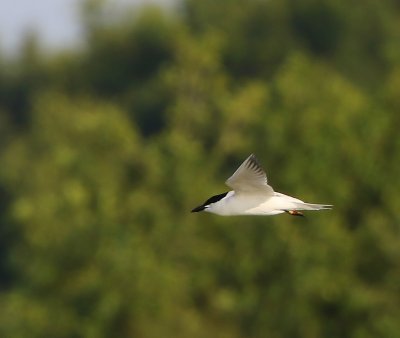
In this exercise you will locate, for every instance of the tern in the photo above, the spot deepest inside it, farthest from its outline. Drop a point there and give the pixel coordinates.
(252, 195)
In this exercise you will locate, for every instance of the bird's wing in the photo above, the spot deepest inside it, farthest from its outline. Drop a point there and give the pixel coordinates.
(250, 177)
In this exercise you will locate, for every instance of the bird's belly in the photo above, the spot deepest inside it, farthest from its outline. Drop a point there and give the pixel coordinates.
(247, 205)
(273, 206)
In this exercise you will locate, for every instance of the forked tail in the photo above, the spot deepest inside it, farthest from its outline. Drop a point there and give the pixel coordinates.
(312, 206)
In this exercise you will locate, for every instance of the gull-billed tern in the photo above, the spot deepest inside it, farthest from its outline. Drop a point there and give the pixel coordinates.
(251, 195)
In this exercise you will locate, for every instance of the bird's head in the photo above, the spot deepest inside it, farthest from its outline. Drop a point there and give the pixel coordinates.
(207, 204)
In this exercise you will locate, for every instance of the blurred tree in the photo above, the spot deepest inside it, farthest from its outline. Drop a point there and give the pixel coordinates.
(125, 61)
(122, 137)
(70, 176)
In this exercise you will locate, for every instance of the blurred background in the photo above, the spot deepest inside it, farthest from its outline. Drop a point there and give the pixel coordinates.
(118, 117)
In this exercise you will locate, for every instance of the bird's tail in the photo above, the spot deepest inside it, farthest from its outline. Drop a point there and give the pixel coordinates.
(311, 206)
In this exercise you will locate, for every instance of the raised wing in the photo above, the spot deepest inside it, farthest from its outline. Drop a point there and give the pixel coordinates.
(250, 177)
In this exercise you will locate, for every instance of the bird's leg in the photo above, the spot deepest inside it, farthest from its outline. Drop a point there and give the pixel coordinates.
(295, 213)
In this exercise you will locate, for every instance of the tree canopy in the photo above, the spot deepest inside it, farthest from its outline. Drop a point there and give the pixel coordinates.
(107, 147)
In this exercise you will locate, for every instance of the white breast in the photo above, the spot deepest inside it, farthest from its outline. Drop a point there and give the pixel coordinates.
(242, 204)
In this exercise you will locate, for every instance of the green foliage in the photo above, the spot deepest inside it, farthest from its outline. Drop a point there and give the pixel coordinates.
(105, 150)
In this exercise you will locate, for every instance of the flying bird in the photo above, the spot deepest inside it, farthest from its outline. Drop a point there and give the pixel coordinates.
(252, 195)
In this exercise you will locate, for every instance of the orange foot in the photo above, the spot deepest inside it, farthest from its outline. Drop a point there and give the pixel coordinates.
(295, 213)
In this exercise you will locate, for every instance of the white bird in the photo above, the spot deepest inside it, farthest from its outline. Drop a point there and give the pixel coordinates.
(251, 195)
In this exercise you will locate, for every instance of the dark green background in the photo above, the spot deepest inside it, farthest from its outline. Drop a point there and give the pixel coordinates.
(106, 148)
